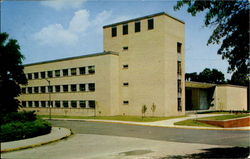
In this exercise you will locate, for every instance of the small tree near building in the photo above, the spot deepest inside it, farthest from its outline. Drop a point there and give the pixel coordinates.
(153, 108)
(144, 109)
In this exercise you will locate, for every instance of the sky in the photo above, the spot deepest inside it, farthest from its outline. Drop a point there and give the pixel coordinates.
(53, 29)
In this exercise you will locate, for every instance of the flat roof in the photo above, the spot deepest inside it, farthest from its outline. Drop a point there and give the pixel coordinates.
(144, 17)
(231, 85)
(192, 84)
(75, 57)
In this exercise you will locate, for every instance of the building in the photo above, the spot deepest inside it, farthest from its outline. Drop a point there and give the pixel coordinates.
(142, 64)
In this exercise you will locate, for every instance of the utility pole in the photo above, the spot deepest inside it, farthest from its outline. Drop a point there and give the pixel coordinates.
(49, 90)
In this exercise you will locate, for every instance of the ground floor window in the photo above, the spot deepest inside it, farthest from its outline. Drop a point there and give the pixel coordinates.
(179, 104)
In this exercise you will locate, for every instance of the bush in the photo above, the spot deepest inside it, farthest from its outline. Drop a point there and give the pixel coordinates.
(18, 116)
(21, 130)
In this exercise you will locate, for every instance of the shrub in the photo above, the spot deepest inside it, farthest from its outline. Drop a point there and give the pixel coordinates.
(18, 116)
(21, 130)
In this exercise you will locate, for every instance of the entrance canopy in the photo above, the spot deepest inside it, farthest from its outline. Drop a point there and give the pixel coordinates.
(192, 84)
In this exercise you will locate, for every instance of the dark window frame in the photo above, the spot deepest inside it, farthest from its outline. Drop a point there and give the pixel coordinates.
(126, 102)
(82, 70)
(91, 86)
(57, 73)
(179, 47)
(36, 75)
(150, 24)
(65, 72)
(92, 103)
(125, 29)
(73, 88)
(73, 72)
(137, 26)
(42, 75)
(114, 31)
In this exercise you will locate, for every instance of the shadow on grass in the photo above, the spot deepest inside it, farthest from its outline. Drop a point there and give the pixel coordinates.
(232, 152)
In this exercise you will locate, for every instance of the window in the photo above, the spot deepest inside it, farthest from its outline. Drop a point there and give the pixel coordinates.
(179, 104)
(30, 103)
(57, 73)
(91, 87)
(36, 103)
(179, 47)
(50, 89)
(36, 75)
(82, 87)
(43, 89)
(137, 26)
(65, 104)
(50, 104)
(150, 24)
(82, 70)
(91, 69)
(23, 90)
(73, 104)
(125, 29)
(24, 103)
(29, 89)
(73, 71)
(65, 72)
(82, 103)
(92, 104)
(125, 48)
(57, 88)
(65, 88)
(179, 67)
(73, 87)
(42, 74)
(43, 103)
(179, 86)
(125, 66)
(49, 74)
(57, 104)
(114, 31)
(125, 84)
(125, 102)
(36, 89)
(29, 75)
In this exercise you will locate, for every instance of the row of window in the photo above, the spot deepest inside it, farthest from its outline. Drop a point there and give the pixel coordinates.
(63, 72)
(60, 104)
(137, 27)
(59, 88)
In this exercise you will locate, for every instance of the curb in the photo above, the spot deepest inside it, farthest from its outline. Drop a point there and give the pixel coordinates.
(177, 127)
(38, 144)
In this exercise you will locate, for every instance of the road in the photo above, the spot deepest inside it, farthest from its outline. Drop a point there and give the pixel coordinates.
(214, 137)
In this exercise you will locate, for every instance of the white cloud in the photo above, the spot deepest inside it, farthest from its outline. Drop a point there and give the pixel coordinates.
(80, 21)
(55, 34)
(102, 17)
(63, 4)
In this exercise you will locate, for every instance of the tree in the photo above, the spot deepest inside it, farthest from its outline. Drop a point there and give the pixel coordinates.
(11, 74)
(231, 22)
(153, 108)
(207, 75)
(143, 110)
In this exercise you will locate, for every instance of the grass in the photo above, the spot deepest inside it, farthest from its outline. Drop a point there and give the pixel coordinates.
(225, 117)
(192, 122)
(120, 118)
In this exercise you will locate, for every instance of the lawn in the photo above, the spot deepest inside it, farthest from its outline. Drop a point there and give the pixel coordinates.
(192, 122)
(120, 118)
(225, 117)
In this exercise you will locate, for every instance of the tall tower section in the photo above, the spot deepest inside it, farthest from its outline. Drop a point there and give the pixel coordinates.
(151, 64)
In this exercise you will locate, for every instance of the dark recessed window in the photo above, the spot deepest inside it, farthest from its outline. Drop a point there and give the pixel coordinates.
(82, 103)
(125, 102)
(125, 48)
(23, 90)
(42, 74)
(36, 89)
(65, 72)
(57, 104)
(137, 26)
(36, 75)
(49, 74)
(179, 104)
(125, 84)
(179, 86)
(65, 104)
(91, 87)
(43, 89)
(43, 103)
(125, 29)
(125, 66)
(82, 70)
(24, 103)
(36, 103)
(73, 104)
(91, 69)
(82, 87)
(29, 75)
(58, 88)
(30, 103)
(179, 67)
(179, 47)
(150, 24)
(65, 88)
(91, 103)
(50, 89)
(73, 71)
(114, 31)
(73, 87)
(29, 89)
(57, 73)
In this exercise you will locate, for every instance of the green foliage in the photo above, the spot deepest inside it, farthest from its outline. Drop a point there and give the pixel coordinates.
(231, 22)
(18, 116)
(153, 108)
(21, 130)
(207, 75)
(11, 74)
(143, 110)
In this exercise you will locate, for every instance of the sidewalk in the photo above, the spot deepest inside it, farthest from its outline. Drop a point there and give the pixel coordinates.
(55, 135)
(165, 123)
